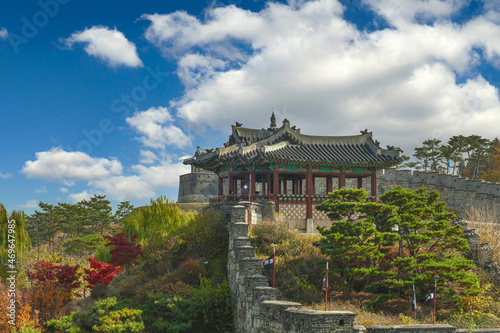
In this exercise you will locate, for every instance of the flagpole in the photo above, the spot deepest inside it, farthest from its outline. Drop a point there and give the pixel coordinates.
(326, 289)
(274, 268)
(414, 311)
(435, 295)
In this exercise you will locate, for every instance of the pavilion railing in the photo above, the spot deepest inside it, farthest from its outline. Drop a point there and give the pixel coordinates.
(281, 198)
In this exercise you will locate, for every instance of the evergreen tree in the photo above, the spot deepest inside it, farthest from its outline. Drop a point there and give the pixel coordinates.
(14, 240)
(355, 239)
(430, 247)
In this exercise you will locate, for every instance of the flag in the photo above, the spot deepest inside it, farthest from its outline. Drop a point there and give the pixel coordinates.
(325, 281)
(269, 262)
(245, 189)
(429, 300)
(414, 302)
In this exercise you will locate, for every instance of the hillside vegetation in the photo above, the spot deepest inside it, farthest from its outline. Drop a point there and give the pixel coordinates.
(154, 269)
(377, 252)
(160, 269)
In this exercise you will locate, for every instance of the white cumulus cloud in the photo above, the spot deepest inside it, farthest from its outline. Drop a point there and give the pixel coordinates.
(147, 157)
(109, 45)
(30, 204)
(4, 34)
(155, 126)
(76, 197)
(306, 60)
(5, 175)
(67, 167)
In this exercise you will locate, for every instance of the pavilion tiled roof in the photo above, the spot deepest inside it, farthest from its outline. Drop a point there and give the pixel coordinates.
(287, 144)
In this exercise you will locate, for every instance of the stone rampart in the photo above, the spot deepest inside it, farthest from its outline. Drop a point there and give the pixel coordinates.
(197, 187)
(255, 304)
(458, 192)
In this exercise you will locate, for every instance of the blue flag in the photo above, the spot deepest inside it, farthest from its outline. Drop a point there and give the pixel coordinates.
(245, 188)
(414, 302)
(269, 262)
(325, 282)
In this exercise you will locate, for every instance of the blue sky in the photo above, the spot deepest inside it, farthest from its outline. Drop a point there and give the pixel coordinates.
(107, 97)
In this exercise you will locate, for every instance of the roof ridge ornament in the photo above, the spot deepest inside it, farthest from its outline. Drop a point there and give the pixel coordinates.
(272, 126)
(365, 132)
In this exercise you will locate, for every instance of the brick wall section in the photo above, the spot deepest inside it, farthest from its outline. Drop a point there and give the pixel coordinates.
(458, 192)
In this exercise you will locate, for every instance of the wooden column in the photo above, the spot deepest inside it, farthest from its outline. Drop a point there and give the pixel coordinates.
(219, 188)
(360, 182)
(253, 182)
(276, 189)
(374, 185)
(309, 192)
(342, 179)
(264, 180)
(276, 182)
(230, 184)
(329, 184)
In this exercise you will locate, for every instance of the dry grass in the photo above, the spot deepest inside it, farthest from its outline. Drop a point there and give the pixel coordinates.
(486, 222)
(482, 214)
(364, 317)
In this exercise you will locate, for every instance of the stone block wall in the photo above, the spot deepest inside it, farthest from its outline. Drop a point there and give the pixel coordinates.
(255, 304)
(412, 329)
(458, 192)
(481, 253)
(197, 187)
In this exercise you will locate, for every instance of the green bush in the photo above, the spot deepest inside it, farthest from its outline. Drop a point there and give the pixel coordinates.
(156, 221)
(208, 310)
(107, 316)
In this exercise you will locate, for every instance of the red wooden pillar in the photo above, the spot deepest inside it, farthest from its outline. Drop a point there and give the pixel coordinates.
(231, 183)
(360, 182)
(276, 189)
(219, 188)
(264, 181)
(253, 182)
(309, 192)
(329, 184)
(342, 179)
(374, 184)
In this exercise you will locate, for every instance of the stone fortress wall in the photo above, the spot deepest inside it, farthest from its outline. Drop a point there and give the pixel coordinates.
(255, 304)
(197, 187)
(458, 192)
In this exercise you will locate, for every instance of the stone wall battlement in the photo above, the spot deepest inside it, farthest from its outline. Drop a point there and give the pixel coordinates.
(458, 192)
(255, 304)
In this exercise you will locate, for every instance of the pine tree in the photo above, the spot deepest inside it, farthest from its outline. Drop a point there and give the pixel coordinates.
(428, 246)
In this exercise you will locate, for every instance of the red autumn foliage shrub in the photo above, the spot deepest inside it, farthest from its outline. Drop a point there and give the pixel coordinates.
(65, 275)
(125, 252)
(100, 272)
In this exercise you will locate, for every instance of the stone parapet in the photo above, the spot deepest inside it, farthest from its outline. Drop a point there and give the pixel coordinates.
(412, 329)
(256, 309)
(458, 192)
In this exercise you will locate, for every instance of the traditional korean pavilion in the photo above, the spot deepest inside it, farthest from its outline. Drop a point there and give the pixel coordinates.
(291, 169)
